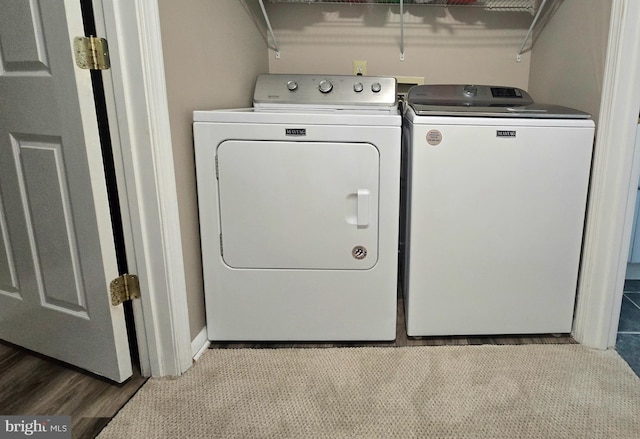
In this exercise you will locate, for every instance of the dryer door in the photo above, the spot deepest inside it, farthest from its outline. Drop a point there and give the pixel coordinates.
(298, 205)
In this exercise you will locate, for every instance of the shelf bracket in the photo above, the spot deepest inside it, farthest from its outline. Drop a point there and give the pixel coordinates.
(401, 30)
(533, 23)
(273, 37)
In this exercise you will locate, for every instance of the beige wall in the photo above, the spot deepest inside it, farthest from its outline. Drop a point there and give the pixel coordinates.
(213, 51)
(568, 58)
(443, 45)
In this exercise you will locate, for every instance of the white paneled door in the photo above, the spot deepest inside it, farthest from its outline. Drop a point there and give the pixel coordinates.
(57, 252)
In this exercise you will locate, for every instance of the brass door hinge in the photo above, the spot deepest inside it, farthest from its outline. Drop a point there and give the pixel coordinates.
(123, 288)
(92, 53)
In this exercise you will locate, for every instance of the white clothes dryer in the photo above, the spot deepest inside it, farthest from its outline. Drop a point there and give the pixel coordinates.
(497, 192)
(299, 205)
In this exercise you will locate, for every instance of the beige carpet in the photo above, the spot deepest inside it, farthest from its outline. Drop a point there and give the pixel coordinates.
(530, 391)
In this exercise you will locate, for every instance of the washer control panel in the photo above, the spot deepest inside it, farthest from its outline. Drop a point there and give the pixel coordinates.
(332, 91)
(461, 95)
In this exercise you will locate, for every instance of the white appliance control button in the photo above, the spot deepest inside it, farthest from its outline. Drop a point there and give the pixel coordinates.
(292, 85)
(376, 87)
(358, 87)
(325, 86)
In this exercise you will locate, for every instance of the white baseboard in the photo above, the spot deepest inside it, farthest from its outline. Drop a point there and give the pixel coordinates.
(199, 344)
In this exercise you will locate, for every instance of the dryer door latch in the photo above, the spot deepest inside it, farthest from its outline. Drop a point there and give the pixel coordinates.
(363, 208)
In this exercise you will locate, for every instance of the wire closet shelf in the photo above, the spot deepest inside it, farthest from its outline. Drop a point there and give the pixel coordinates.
(499, 5)
(534, 7)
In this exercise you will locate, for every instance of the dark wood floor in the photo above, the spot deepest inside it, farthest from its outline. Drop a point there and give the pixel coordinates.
(34, 385)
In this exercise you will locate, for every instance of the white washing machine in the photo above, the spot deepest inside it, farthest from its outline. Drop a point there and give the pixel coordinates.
(299, 207)
(497, 191)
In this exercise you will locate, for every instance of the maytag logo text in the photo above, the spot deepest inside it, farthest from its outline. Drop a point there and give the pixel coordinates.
(295, 131)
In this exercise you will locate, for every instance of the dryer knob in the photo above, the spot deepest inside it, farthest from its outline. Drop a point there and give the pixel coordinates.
(358, 87)
(376, 87)
(325, 86)
(292, 85)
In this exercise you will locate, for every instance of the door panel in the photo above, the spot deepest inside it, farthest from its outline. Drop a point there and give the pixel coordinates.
(42, 182)
(8, 276)
(298, 205)
(22, 44)
(57, 247)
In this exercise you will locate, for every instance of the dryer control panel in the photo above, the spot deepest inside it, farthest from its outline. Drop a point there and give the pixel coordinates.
(338, 92)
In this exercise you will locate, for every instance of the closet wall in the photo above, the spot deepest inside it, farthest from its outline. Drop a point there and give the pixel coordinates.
(213, 52)
(568, 58)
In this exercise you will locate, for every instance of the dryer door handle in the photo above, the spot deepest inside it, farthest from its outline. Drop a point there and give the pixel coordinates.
(363, 208)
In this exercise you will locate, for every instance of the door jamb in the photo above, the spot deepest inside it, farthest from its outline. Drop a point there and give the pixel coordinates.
(614, 183)
(138, 111)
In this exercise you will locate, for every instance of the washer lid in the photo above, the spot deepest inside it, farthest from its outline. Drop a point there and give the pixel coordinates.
(483, 100)
(534, 111)
(460, 95)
